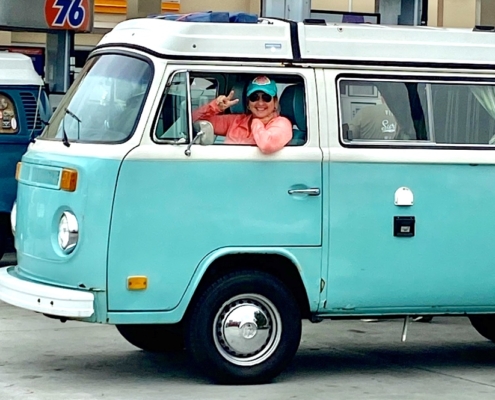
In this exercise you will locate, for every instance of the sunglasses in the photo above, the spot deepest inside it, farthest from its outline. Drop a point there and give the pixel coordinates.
(256, 96)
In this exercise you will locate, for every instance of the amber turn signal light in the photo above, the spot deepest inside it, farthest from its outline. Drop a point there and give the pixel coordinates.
(18, 171)
(68, 181)
(137, 283)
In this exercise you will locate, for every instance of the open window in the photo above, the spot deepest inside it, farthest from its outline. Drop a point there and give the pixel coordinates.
(190, 91)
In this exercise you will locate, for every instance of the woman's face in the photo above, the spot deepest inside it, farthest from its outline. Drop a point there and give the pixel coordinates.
(260, 107)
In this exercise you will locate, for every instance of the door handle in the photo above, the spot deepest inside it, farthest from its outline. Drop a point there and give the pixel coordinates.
(308, 191)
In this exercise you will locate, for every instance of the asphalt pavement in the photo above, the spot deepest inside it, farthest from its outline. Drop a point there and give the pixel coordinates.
(43, 359)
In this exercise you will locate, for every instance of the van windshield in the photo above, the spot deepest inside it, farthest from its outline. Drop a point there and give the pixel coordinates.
(105, 102)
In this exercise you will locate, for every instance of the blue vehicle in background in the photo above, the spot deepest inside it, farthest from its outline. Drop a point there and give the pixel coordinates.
(24, 106)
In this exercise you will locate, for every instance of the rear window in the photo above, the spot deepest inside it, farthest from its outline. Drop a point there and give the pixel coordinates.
(429, 112)
(105, 103)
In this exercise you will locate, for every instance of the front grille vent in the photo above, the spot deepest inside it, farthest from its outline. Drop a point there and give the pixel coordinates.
(29, 102)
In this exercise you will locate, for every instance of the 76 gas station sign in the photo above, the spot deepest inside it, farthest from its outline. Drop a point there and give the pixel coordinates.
(68, 14)
(47, 15)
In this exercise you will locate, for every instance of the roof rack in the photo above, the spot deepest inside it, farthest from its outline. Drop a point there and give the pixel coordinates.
(211, 16)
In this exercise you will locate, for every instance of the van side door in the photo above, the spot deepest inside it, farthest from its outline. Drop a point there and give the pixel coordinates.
(172, 210)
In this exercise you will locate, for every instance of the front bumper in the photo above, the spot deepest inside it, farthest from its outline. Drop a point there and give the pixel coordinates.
(44, 298)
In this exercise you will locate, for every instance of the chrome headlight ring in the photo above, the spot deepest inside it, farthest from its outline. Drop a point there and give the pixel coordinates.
(68, 232)
(13, 218)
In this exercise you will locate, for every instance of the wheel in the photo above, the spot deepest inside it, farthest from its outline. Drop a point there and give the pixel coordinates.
(484, 324)
(153, 338)
(245, 328)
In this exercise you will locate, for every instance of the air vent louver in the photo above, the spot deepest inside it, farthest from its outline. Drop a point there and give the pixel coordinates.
(29, 102)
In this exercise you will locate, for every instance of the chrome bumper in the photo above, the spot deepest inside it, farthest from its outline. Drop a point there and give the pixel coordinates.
(45, 299)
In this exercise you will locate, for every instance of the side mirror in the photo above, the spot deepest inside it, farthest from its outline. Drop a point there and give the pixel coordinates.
(205, 135)
(205, 132)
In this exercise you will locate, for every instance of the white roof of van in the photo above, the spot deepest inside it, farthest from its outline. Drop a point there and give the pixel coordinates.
(396, 44)
(200, 39)
(17, 69)
(278, 40)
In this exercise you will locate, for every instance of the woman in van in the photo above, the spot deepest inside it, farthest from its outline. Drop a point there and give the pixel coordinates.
(260, 125)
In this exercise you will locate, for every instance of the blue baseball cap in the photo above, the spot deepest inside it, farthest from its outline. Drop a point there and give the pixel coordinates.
(262, 84)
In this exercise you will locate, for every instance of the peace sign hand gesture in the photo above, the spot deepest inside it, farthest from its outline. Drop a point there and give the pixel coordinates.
(224, 102)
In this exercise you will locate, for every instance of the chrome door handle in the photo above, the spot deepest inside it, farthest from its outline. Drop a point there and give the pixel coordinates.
(308, 191)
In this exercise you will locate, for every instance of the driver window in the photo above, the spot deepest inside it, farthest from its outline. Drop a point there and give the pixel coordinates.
(203, 90)
(173, 123)
(282, 97)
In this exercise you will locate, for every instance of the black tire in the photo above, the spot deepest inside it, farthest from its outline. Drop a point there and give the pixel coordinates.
(154, 338)
(4, 233)
(423, 318)
(245, 328)
(3, 244)
(484, 324)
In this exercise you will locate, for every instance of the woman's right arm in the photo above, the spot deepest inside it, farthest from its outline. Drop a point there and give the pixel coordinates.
(210, 111)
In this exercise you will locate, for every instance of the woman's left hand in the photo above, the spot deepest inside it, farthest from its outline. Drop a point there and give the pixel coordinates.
(224, 102)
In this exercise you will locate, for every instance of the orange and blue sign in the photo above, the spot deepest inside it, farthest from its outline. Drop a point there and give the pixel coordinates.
(68, 14)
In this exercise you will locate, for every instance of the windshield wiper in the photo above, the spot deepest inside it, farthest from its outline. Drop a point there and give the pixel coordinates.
(65, 139)
(67, 111)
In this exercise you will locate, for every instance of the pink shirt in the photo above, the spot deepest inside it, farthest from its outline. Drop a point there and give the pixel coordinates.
(235, 127)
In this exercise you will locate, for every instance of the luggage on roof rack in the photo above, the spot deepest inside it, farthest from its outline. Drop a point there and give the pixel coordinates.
(211, 16)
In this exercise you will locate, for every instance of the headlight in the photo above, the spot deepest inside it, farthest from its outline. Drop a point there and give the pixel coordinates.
(13, 217)
(68, 232)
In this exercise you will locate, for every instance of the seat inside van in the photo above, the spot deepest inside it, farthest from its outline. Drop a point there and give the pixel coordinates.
(293, 107)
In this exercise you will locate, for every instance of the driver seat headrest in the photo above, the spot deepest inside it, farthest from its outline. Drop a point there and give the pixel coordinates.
(293, 107)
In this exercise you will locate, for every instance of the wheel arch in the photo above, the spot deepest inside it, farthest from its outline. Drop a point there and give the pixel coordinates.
(280, 264)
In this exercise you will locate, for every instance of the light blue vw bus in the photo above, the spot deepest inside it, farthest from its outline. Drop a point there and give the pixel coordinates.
(23, 106)
(130, 213)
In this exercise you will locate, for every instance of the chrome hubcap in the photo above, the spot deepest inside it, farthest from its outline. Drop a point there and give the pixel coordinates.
(247, 329)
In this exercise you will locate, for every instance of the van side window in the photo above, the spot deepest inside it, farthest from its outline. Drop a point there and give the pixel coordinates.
(201, 88)
(382, 110)
(463, 113)
(9, 120)
(429, 112)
